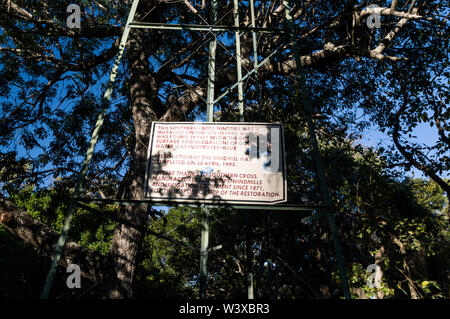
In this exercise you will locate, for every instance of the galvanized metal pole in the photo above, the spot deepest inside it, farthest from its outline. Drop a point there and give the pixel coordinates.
(228, 90)
(211, 66)
(249, 257)
(78, 190)
(239, 62)
(324, 189)
(255, 54)
(204, 241)
(204, 252)
(254, 38)
(201, 27)
(249, 252)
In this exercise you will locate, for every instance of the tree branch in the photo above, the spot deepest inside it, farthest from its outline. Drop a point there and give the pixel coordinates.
(400, 14)
(410, 156)
(377, 52)
(53, 29)
(93, 265)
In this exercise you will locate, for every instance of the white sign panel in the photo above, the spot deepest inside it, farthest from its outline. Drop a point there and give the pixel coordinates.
(214, 162)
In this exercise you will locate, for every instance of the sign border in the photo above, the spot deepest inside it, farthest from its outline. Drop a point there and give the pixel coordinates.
(213, 200)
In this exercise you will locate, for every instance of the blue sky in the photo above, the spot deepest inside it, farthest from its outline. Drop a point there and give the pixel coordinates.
(371, 137)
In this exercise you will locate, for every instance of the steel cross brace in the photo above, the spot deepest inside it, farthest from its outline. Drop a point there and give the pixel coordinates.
(78, 190)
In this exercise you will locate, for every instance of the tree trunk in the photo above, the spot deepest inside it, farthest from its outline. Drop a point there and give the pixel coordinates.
(406, 271)
(127, 238)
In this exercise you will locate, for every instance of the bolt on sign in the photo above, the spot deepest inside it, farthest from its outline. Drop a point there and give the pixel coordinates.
(214, 162)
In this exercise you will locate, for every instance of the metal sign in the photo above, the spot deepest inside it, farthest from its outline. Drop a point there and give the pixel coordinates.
(214, 162)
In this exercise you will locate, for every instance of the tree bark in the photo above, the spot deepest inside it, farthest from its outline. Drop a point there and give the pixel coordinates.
(405, 271)
(128, 236)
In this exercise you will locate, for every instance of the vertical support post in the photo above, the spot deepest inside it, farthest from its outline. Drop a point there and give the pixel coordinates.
(209, 118)
(204, 252)
(249, 257)
(254, 39)
(239, 62)
(324, 189)
(78, 190)
(211, 66)
(242, 119)
(255, 51)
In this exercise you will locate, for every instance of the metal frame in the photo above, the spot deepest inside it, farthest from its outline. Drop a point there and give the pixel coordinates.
(324, 189)
(149, 202)
(78, 190)
(204, 239)
(326, 210)
(202, 27)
